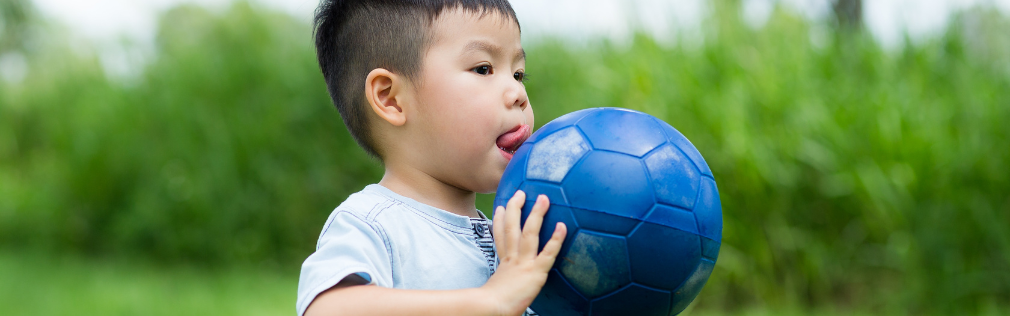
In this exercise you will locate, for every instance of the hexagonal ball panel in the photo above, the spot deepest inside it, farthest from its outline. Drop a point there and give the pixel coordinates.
(662, 257)
(552, 191)
(621, 130)
(673, 217)
(610, 182)
(674, 178)
(709, 210)
(604, 222)
(533, 189)
(633, 300)
(559, 123)
(678, 139)
(710, 248)
(687, 292)
(555, 154)
(555, 213)
(558, 297)
(596, 264)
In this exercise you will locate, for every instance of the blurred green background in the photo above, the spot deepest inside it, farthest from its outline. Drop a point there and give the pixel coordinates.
(854, 179)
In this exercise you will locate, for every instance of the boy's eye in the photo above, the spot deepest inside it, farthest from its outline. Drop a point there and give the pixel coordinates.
(519, 76)
(482, 70)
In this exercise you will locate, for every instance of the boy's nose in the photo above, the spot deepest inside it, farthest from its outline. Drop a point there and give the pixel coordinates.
(516, 97)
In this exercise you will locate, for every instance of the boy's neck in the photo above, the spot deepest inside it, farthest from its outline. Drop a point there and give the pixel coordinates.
(424, 188)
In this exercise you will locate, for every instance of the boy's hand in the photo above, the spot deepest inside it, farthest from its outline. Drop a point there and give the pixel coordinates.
(522, 272)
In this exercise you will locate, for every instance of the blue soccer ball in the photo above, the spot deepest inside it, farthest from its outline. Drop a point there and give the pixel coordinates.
(642, 210)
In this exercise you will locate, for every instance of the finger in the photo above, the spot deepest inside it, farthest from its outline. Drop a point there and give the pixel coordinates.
(546, 258)
(531, 231)
(512, 230)
(496, 229)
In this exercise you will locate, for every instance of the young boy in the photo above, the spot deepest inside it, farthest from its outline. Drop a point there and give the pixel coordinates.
(434, 89)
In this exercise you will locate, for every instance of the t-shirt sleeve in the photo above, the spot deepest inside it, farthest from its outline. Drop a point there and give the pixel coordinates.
(348, 245)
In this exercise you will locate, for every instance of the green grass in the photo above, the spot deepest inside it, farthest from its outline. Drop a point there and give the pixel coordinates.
(35, 284)
(44, 284)
(47, 284)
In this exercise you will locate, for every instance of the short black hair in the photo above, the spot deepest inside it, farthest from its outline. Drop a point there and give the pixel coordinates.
(353, 37)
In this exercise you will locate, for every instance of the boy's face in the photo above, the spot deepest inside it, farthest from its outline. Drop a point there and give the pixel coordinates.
(470, 100)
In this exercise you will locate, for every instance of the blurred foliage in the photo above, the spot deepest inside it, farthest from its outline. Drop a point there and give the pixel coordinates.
(15, 18)
(850, 176)
(226, 148)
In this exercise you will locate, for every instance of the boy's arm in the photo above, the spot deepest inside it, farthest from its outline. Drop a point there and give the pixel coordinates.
(518, 279)
(352, 299)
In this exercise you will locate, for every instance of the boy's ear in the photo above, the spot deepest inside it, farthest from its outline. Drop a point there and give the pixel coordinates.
(385, 92)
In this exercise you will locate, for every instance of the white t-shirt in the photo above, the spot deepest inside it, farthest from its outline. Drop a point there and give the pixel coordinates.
(396, 242)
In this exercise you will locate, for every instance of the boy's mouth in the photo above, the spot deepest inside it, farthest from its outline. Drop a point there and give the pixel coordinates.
(509, 142)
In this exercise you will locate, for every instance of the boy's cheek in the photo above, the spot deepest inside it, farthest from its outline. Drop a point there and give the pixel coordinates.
(530, 118)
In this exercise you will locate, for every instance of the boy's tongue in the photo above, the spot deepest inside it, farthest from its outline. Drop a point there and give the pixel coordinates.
(514, 138)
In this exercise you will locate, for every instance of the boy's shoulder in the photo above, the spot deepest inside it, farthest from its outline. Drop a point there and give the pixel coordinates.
(376, 205)
(366, 203)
